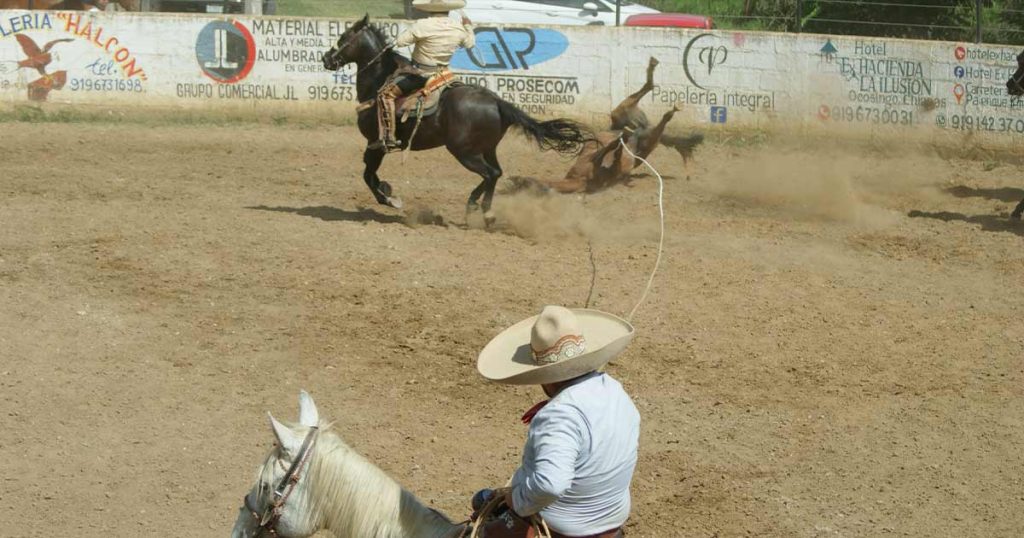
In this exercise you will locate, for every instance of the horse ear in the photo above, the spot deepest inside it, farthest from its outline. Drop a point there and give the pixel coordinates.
(286, 438)
(308, 415)
(366, 19)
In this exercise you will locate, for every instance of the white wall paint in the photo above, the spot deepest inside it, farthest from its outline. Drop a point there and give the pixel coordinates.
(724, 79)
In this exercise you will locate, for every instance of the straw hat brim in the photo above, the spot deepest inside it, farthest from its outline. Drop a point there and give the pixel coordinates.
(508, 358)
(427, 5)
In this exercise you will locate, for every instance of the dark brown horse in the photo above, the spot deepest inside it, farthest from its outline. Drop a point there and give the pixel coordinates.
(470, 121)
(1015, 87)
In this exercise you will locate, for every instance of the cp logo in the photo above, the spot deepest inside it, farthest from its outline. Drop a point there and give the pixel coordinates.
(708, 56)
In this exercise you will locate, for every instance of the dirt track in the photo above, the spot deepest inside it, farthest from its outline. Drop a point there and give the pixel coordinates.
(812, 361)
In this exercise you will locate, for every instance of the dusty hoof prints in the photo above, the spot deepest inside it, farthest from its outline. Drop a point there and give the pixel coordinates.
(424, 216)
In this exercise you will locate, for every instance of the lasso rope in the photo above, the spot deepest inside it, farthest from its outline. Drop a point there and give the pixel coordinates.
(661, 237)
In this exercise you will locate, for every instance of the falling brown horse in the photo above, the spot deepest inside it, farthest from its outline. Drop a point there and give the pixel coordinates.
(470, 121)
(604, 161)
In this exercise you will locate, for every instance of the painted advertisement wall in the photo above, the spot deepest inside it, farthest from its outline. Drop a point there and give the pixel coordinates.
(722, 79)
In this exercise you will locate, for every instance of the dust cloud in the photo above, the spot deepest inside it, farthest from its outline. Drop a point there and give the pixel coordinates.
(853, 185)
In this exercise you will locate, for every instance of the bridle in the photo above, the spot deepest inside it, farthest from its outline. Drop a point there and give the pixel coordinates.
(350, 40)
(1018, 79)
(272, 514)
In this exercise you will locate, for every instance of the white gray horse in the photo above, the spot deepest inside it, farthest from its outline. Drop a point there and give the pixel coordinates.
(312, 481)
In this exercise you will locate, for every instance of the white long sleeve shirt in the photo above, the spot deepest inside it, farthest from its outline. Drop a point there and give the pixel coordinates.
(436, 40)
(579, 459)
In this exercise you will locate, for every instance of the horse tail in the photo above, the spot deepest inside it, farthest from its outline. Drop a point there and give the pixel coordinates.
(566, 137)
(685, 145)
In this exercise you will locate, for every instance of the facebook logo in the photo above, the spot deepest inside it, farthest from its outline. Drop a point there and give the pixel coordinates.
(959, 71)
(719, 114)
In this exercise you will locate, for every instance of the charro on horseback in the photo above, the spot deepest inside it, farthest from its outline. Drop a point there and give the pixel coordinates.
(435, 39)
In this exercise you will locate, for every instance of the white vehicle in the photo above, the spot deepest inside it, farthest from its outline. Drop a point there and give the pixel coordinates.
(568, 12)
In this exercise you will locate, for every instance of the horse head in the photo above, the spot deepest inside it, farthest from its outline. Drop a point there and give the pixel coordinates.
(354, 44)
(312, 481)
(1015, 86)
(278, 503)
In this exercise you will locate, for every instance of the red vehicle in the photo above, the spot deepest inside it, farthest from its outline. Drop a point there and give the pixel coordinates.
(674, 20)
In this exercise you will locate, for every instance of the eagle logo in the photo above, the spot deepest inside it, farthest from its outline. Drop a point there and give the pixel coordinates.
(38, 59)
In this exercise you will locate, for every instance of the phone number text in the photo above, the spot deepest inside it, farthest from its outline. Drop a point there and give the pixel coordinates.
(968, 122)
(105, 85)
(332, 93)
(866, 114)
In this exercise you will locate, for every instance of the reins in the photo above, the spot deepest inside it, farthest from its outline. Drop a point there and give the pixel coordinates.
(374, 60)
(540, 527)
(272, 513)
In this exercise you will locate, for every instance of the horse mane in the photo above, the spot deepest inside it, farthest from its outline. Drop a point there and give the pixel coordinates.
(377, 32)
(391, 57)
(352, 497)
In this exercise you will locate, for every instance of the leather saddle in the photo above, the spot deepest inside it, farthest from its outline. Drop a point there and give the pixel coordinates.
(425, 101)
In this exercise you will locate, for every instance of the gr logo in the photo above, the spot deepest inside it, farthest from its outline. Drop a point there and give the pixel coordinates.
(510, 48)
(225, 51)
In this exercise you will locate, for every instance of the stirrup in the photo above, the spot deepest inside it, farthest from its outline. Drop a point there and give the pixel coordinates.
(388, 145)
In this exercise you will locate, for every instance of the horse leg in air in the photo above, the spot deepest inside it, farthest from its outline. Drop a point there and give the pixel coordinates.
(381, 190)
(478, 163)
(647, 140)
(1018, 211)
(628, 112)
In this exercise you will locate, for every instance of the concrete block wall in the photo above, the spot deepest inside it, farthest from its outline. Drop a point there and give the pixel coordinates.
(724, 80)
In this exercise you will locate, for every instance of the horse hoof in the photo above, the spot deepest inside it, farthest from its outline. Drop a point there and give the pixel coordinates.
(394, 202)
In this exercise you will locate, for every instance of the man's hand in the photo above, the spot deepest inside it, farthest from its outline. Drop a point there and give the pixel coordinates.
(466, 21)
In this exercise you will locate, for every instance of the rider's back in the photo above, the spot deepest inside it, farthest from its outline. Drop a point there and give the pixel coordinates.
(436, 40)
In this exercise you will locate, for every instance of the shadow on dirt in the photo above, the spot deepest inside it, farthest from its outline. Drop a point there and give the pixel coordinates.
(413, 217)
(988, 223)
(1004, 194)
(331, 214)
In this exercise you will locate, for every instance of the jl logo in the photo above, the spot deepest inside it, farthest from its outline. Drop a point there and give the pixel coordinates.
(708, 56)
(225, 51)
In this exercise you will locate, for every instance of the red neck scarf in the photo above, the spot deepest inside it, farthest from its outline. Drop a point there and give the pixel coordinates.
(532, 412)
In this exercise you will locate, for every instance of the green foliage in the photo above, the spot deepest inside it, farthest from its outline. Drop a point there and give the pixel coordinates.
(772, 15)
(1002, 21)
(341, 9)
(950, 20)
(941, 20)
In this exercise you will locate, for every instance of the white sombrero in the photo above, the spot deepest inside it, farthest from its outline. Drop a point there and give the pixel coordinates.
(438, 5)
(557, 345)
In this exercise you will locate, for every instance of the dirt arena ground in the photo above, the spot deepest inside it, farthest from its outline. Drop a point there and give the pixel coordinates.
(832, 347)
